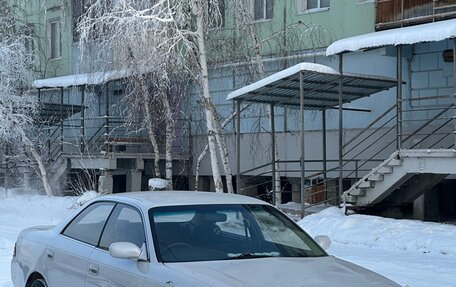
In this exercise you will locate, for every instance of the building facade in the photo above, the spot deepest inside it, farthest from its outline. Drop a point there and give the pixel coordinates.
(289, 32)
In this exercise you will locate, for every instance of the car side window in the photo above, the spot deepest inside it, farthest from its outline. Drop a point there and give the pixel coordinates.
(88, 225)
(124, 225)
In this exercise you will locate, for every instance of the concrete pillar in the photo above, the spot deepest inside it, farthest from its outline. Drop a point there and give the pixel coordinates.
(418, 208)
(134, 177)
(105, 182)
(426, 207)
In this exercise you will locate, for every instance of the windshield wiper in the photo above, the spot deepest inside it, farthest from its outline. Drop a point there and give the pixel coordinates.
(251, 255)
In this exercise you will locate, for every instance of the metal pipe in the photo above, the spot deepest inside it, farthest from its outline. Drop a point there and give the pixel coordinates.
(61, 120)
(82, 141)
(399, 97)
(273, 151)
(106, 98)
(303, 181)
(454, 84)
(49, 144)
(238, 147)
(341, 149)
(323, 118)
(369, 126)
(272, 60)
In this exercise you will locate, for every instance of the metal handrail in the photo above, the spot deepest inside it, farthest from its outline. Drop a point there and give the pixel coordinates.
(434, 133)
(379, 118)
(370, 135)
(378, 152)
(428, 122)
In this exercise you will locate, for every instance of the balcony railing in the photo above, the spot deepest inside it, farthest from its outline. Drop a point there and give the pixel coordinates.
(400, 13)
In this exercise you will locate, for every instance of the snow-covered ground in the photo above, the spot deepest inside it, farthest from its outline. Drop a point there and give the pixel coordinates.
(412, 253)
(18, 212)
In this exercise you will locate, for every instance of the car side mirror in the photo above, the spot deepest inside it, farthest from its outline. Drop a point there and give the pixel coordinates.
(125, 250)
(324, 241)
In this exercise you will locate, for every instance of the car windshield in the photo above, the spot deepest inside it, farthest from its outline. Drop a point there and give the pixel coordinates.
(227, 232)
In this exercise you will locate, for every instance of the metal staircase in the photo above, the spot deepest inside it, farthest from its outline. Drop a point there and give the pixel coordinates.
(426, 155)
(403, 177)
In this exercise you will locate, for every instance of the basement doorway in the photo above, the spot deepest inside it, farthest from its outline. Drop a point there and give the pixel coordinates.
(119, 183)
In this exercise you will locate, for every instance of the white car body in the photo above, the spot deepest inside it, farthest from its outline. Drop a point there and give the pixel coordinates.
(49, 253)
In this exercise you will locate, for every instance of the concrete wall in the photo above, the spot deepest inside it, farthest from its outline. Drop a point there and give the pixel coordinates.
(431, 76)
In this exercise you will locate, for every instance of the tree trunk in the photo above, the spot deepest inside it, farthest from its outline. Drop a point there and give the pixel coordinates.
(169, 140)
(198, 165)
(220, 136)
(149, 119)
(206, 148)
(199, 13)
(150, 129)
(39, 161)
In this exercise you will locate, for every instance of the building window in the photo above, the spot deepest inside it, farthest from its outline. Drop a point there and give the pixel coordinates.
(263, 9)
(55, 39)
(305, 6)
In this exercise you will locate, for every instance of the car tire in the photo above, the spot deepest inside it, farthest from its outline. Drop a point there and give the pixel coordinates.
(38, 283)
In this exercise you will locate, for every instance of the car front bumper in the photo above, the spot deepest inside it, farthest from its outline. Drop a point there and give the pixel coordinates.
(17, 275)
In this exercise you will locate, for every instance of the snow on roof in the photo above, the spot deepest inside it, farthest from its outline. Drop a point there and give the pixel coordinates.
(431, 32)
(320, 84)
(87, 79)
(80, 79)
(318, 68)
(149, 199)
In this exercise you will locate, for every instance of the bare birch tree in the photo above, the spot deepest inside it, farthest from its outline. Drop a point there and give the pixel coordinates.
(17, 106)
(162, 37)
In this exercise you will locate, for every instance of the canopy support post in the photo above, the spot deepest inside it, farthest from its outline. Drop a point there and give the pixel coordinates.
(325, 168)
(273, 151)
(82, 141)
(61, 120)
(238, 147)
(106, 120)
(399, 97)
(303, 180)
(454, 90)
(341, 118)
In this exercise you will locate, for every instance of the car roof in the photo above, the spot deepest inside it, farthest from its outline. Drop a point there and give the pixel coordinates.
(150, 199)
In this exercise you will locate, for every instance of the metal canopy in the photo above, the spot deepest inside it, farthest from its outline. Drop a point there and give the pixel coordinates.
(307, 86)
(320, 86)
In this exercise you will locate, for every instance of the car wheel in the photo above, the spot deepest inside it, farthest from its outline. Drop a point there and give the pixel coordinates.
(38, 283)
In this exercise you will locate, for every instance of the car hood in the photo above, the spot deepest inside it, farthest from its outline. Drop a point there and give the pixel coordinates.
(317, 271)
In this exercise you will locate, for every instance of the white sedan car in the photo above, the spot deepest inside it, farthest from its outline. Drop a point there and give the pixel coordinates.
(191, 239)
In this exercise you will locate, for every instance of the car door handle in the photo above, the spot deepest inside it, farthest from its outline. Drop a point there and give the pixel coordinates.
(50, 255)
(93, 270)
